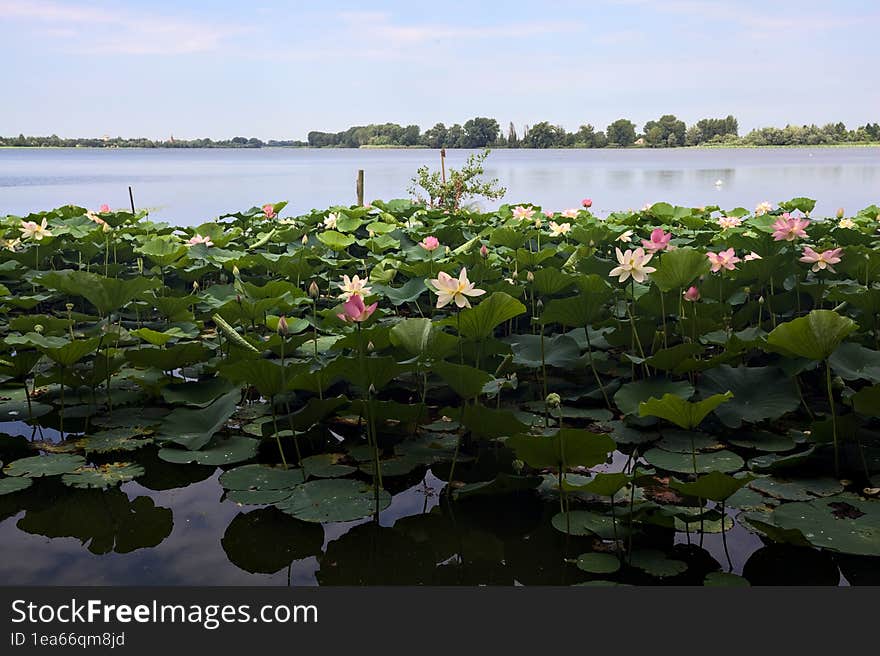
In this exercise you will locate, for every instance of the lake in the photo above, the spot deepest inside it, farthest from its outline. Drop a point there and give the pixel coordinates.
(191, 186)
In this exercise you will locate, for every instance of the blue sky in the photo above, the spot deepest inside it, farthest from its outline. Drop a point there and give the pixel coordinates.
(279, 69)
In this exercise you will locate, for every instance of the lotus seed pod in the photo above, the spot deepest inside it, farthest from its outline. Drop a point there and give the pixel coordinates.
(69, 307)
(553, 400)
(38, 329)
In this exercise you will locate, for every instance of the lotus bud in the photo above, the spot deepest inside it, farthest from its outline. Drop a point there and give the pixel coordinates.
(373, 389)
(484, 251)
(305, 240)
(839, 212)
(38, 329)
(761, 300)
(235, 271)
(283, 328)
(195, 286)
(514, 275)
(371, 234)
(470, 222)
(238, 298)
(837, 383)
(518, 465)
(530, 277)
(553, 400)
(448, 251)
(540, 304)
(140, 266)
(314, 292)
(370, 347)
(538, 223)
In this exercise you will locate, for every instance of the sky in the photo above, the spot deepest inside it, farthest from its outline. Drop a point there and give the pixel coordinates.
(276, 70)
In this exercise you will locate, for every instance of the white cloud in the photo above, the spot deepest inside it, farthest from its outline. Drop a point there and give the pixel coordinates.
(86, 29)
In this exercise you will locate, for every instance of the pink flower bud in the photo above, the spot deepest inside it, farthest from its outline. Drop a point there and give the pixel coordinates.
(484, 251)
(430, 244)
(692, 294)
(587, 202)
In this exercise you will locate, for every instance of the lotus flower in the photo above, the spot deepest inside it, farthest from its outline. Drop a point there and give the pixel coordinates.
(625, 236)
(353, 287)
(355, 311)
(549, 214)
(449, 289)
(104, 209)
(10, 244)
(789, 228)
(632, 263)
(269, 211)
(723, 260)
(520, 212)
(559, 229)
(659, 241)
(34, 230)
(570, 213)
(430, 244)
(587, 203)
(823, 260)
(726, 222)
(752, 256)
(330, 221)
(763, 208)
(198, 239)
(692, 294)
(847, 223)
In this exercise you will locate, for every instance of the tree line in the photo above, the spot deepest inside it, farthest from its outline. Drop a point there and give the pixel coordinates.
(668, 131)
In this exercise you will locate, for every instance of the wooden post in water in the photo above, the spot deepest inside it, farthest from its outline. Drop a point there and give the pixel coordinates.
(443, 164)
(131, 198)
(360, 187)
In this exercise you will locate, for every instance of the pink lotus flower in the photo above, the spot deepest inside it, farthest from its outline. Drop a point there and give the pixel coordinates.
(34, 230)
(752, 256)
(587, 202)
(354, 310)
(723, 260)
(549, 214)
(692, 294)
(659, 241)
(198, 239)
(104, 208)
(430, 244)
(449, 289)
(520, 212)
(269, 211)
(789, 228)
(354, 287)
(726, 222)
(570, 213)
(632, 263)
(823, 260)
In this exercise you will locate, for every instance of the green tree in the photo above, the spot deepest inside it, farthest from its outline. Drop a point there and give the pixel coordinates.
(480, 132)
(544, 135)
(458, 186)
(435, 137)
(657, 133)
(622, 132)
(512, 141)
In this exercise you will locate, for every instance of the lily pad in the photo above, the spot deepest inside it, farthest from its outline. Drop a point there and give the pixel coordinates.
(17, 410)
(584, 522)
(11, 484)
(763, 441)
(656, 563)
(597, 562)
(258, 497)
(48, 465)
(326, 465)
(725, 580)
(797, 490)
(759, 393)
(722, 461)
(103, 475)
(261, 477)
(113, 440)
(334, 500)
(843, 523)
(266, 541)
(223, 451)
(630, 395)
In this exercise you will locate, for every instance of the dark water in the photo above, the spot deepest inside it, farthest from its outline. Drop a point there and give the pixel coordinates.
(173, 527)
(191, 186)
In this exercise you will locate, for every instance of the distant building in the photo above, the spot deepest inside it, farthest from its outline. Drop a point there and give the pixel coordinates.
(639, 142)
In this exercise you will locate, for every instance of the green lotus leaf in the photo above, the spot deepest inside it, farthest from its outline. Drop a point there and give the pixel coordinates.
(570, 446)
(467, 382)
(815, 336)
(326, 465)
(261, 477)
(684, 414)
(677, 269)
(714, 486)
(109, 441)
(411, 290)
(630, 395)
(194, 427)
(558, 351)
(422, 338)
(581, 310)
(198, 394)
(867, 401)
(51, 464)
(597, 562)
(11, 484)
(335, 240)
(257, 497)
(763, 441)
(853, 361)
(759, 393)
(168, 358)
(797, 489)
(106, 294)
(267, 376)
(103, 476)
(584, 522)
(314, 411)
(486, 423)
(479, 322)
(775, 462)
(19, 410)
(334, 500)
(59, 349)
(656, 563)
(725, 580)
(549, 280)
(843, 523)
(721, 461)
(221, 451)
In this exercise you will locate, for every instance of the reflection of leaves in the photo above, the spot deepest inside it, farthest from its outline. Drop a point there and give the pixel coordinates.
(102, 476)
(105, 521)
(265, 541)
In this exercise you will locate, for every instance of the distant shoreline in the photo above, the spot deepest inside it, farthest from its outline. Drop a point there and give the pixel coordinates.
(871, 144)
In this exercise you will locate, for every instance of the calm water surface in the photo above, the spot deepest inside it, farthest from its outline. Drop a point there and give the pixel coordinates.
(190, 186)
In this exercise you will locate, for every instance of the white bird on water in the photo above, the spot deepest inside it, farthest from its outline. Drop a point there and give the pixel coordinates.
(719, 182)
